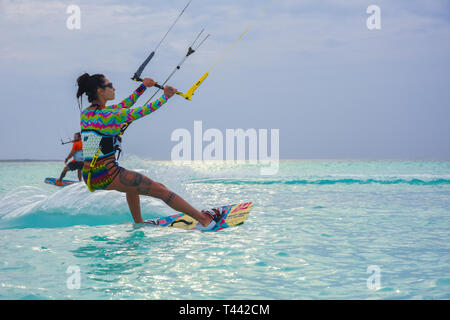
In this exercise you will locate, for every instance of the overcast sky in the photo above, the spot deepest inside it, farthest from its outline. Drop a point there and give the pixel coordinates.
(311, 69)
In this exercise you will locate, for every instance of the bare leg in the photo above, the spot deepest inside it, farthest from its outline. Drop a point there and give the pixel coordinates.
(135, 206)
(132, 182)
(63, 173)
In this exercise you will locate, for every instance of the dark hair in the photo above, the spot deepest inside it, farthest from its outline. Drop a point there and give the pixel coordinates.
(89, 84)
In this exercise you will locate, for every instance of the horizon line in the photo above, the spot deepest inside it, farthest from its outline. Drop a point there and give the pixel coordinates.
(245, 160)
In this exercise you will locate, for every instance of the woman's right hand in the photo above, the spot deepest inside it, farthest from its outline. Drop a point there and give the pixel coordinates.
(148, 82)
(169, 91)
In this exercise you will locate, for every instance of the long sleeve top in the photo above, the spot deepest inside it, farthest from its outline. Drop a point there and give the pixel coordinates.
(100, 128)
(110, 119)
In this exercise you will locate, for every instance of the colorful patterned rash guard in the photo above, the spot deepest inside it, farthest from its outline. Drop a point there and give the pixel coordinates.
(101, 128)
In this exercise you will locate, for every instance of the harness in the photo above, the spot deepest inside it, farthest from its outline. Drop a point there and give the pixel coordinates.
(97, 145)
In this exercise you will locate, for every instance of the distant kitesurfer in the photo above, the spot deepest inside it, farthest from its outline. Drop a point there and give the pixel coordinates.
(77, 162)
(100, 131)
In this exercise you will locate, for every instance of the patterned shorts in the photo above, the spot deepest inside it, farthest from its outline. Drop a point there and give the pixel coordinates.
(103, 173)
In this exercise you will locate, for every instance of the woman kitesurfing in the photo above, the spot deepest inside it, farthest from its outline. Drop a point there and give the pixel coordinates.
(102, 126)
(100, 131)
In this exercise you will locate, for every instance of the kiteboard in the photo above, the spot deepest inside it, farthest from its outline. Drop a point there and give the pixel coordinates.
(52, 181)
(234, 215)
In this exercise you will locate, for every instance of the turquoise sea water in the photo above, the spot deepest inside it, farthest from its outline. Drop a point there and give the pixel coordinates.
(318, 230)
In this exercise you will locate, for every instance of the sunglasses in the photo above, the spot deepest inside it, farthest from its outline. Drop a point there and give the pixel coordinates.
(109, 85)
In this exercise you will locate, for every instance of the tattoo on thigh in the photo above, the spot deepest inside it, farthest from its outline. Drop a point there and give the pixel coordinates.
(130, 178)
(143, 190)
(146, 182)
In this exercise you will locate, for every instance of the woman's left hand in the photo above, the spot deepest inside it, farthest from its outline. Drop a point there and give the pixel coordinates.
(148, 82)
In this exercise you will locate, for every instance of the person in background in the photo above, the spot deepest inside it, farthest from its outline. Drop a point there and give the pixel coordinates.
(78, 160)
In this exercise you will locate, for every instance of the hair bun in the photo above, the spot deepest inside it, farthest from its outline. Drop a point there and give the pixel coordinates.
(83, 80)
(89, 84)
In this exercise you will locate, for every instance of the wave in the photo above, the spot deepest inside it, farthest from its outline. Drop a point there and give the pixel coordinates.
(33, 207)
(321, 181)
(37, 205)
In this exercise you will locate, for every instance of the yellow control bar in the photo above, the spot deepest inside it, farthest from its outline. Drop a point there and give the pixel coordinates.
(188, 95)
